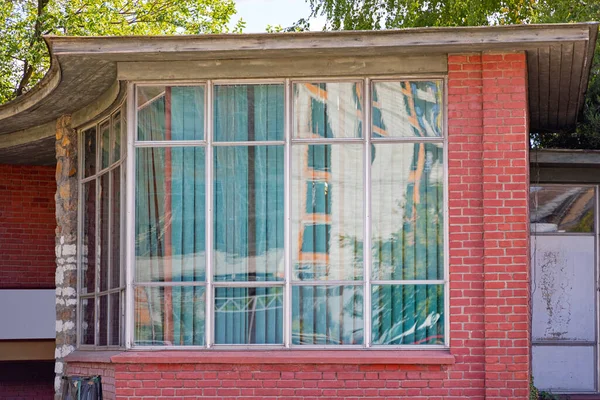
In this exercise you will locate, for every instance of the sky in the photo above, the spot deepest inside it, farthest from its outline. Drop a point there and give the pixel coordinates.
(259, 13)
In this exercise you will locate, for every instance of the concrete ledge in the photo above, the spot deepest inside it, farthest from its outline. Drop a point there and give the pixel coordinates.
(352, 357)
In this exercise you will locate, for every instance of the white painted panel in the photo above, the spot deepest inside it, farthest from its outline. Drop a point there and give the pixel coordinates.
(564, 368)
(27, 314)
(563, 288)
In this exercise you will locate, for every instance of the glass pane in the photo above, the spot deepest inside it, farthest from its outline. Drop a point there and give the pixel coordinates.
(564, 368)
(407, 314)
(88, 259)
(170, 112)
(249, 315)
(563, 288)
(327, 315)
(115, 147)
(105, 144)
(87, 321)
(89, 152)
(104, 231)
(407, 197)
(248, 216)
(328, 110)
(407, 109)
(115, 234)
(327, 212)
(115, 319)
(561, 209)
(170, 214)
(169, 316)
(248, 112)
(103, 321)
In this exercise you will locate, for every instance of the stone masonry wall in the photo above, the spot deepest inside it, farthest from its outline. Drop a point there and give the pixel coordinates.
(66, 245)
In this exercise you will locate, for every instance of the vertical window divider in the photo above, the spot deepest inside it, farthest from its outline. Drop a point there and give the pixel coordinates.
(287, 291)
(97, 254)
(367, 212)
(208, 159)
(446, 214)
(130, 212)
(109, 236)
(80, 215)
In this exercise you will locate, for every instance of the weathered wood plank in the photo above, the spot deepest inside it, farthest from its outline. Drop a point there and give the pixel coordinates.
(275, 68)
(544, 83)
(564, 84)
(534, 89)
(577, 69)
(553, 85)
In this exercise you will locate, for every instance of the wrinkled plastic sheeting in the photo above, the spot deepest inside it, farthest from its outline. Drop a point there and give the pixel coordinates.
(82, 388)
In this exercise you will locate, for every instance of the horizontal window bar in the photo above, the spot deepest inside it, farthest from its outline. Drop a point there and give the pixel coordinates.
(91, 295)
(102, 172)
(170, 283)
(409, 139)
(247, 143)
(409, 282)
(248, 284)
(327, 283)
(170, 143)
(564, 343)
(328, 141)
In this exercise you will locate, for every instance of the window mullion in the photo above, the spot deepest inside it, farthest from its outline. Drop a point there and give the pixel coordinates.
(367, 213)
(130, 212)
(287, 291)
(208, 190)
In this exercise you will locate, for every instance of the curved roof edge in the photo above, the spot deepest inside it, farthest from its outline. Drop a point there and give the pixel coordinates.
(83, 69)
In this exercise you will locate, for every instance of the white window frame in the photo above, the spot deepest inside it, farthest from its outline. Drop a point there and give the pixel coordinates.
(133, 144)
(97, 176)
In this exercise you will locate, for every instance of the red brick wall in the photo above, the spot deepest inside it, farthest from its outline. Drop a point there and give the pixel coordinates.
(106, 371)
(32, 380)
(27, 223)
(489, 297)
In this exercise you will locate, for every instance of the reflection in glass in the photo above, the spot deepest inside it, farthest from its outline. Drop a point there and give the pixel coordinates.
(327, 212)
(169, 316)
(115, 319)
(328, 110)
(407, 314)
(87, 321)
(407, 211)
(115, 147)
(170, 112)
(89, 152)
(407, 109)
(248, 112)
(102, 247)
(170, 214)
(327, 315)
(105, 144)
(249, 315)
(561, 209)
(102, 320)
(88, 259)
(115, 234)
(248, 213)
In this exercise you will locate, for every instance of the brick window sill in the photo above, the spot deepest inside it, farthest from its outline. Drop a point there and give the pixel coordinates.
(349, 357)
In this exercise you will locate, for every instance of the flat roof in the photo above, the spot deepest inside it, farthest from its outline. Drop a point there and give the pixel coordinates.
(559, 58)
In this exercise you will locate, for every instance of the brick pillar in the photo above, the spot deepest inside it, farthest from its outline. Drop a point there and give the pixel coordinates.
(465, 209)
(506, 226)
(66, 245)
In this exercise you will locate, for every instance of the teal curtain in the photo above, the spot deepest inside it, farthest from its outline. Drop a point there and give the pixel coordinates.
(407, 313)
(248, 214)
(170, 221)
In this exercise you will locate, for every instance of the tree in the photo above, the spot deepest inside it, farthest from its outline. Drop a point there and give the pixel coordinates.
(379, 14)
(23, 54)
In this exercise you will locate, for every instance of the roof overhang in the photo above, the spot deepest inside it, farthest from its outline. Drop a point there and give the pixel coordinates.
(85, 69)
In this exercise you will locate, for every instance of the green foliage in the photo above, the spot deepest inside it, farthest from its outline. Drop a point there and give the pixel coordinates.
(23, 54)
(379, 14)
(533, 391)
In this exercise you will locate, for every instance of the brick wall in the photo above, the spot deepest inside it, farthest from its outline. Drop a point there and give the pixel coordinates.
(489, 297)
(32, 380)
(27, 224)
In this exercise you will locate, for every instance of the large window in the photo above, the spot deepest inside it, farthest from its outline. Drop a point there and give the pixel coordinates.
(101, 282)
(291, 213)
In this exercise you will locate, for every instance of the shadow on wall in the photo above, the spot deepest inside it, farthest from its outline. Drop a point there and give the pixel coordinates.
(27, 380)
